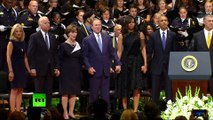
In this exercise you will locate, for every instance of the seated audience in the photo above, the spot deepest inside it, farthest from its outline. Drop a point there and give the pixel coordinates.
(151, 111)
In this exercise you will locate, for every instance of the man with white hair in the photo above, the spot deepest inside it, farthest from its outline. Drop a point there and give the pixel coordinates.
(42, 56)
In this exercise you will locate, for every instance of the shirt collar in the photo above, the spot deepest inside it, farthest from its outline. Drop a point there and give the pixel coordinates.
(161, 31)
(96, 35)
(43, 33)
(206, 31)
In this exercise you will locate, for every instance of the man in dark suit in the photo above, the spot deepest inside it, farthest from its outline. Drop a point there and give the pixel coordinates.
(98, 54)
(203, 42)
(160, 44)
(42, 56)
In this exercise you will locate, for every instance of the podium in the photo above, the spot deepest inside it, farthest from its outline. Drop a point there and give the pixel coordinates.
(189, 68)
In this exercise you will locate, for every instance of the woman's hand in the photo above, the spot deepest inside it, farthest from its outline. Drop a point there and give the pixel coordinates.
(144, 68)
(11, 76)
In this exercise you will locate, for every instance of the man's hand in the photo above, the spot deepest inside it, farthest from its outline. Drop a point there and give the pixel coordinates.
(33, 72)
(56, 72)
(117, 68)
(91, 71)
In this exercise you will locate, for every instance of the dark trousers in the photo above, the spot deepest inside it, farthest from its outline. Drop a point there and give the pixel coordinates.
(161, 82)
(99, 84)
(44, 84)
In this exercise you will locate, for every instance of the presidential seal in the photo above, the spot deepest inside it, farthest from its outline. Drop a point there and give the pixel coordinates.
(189, 63)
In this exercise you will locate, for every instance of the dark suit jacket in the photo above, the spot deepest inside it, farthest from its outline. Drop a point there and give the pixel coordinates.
(39, 57)
(156, 54)
(81, 34)
(201, 45)
(93, 57)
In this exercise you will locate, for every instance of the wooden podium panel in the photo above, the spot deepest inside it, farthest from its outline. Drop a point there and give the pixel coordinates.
(182, 84)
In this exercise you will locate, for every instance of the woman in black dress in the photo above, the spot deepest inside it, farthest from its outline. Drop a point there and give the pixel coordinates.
(17, 65)
(70, 65)
(134, 63)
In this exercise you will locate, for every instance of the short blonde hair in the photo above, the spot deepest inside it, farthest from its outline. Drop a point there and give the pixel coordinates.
(129, 114)
(12, 37)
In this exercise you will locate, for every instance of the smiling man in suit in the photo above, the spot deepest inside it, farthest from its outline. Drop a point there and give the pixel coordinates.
(98, 54)
(203, 42)
(160, 44)
(43, 61)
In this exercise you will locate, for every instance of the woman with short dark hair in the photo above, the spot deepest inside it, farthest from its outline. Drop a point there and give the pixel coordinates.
(70, 66)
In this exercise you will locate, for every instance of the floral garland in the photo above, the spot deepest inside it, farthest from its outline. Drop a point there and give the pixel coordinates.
(185, 104)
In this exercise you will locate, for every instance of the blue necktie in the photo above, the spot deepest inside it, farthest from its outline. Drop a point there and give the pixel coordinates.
(163, 40)
(99, 42)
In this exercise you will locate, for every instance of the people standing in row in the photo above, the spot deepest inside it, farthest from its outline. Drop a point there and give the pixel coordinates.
(17, 66)
(70, 66)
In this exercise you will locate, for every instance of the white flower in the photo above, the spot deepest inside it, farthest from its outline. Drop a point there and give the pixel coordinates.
(185, 104)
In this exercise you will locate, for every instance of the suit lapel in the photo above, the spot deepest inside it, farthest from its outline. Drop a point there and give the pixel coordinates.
(50, 40)
(42, 40)
(168, 37)
(204, 41)
(211, 46)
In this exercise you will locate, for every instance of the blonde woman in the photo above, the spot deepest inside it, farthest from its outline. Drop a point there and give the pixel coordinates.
(17, 65)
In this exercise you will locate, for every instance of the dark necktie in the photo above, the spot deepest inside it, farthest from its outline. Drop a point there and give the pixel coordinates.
(47, 41)
(99, 42)
(163, 40)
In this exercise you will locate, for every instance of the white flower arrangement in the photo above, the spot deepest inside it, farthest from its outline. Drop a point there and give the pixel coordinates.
(185, 104)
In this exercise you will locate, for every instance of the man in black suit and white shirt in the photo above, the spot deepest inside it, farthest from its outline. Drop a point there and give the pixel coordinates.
(160, 44)
(42, 56)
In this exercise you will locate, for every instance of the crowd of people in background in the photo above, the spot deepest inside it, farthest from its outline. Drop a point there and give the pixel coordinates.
(96, 45)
